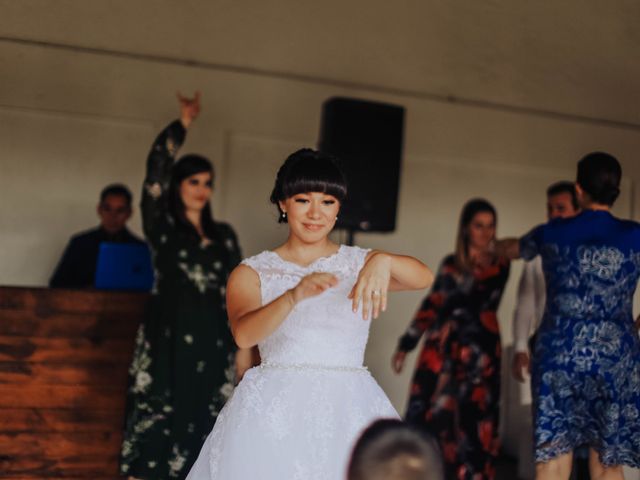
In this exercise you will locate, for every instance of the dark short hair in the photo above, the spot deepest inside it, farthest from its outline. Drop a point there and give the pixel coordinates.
(308, 170)
(116, 189)
(390, 449)
(564, 186)
(599, 176)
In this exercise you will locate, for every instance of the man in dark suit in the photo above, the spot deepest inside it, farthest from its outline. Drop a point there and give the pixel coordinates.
(77, 267)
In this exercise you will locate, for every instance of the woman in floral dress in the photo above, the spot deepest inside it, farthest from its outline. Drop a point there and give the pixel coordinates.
(456, 386)
(183, 366)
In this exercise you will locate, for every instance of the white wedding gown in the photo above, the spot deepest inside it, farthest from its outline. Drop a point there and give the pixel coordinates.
(298, 414)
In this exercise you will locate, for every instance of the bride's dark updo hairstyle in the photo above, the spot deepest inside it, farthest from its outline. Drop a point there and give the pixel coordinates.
(305, 171)
(599, 176)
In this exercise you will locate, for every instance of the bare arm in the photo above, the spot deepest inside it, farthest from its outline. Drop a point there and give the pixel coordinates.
(160, 160)
(244, 361)
(407, 273)
(508, 247)
(250, 321)
(189, 108)
(383, 272)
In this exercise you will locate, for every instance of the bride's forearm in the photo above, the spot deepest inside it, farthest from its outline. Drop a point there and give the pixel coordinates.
(252, 327)
(407, 273)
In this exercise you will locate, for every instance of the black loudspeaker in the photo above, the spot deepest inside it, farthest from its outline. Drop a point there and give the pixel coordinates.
(367, 138)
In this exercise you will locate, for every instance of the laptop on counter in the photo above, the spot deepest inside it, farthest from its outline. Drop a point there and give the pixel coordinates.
(124, 266)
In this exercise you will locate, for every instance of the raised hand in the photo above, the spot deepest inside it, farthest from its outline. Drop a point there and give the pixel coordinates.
(312, 285)
(189, 108)
(372, 286)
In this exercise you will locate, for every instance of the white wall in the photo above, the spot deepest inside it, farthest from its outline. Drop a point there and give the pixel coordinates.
(74, 120)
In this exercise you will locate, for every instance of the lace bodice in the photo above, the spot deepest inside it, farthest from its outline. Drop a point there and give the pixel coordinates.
(321, 330)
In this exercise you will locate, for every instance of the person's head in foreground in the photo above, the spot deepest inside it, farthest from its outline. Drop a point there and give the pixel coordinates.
(598, 181)
(393, 450)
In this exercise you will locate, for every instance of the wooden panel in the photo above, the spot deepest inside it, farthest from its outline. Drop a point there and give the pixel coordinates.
(35, 467)
(54, 476)
(59, 455)
(44, 302)
(59, 445)
(62, 349)
(57, 476)
(25, 323)
(65, 373)
(48, 457)
(61, 396)
(38, 420)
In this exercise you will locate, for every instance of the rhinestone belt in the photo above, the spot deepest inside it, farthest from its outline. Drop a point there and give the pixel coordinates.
(312, 367)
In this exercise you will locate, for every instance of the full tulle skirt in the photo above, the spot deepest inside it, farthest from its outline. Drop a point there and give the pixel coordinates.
(291, 423)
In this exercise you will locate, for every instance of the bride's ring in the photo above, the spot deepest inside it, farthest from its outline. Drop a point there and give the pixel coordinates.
(375, 293)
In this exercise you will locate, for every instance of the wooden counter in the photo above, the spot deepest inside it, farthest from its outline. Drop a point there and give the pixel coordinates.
(64, 356)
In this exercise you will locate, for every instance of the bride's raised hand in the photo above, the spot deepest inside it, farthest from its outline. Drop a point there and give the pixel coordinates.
(312, 285)
(372, 286)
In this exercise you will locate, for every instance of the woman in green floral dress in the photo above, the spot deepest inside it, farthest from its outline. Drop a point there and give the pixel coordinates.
(183, 367)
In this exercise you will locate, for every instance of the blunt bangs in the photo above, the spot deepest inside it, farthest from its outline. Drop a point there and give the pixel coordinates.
(310, 171)
(312, 179)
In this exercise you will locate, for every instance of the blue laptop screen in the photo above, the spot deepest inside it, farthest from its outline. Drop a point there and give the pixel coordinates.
(124, 266)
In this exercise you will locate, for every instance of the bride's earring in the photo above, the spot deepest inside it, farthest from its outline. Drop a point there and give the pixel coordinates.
(283, 215)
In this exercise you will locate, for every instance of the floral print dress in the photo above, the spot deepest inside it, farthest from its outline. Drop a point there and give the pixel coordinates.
(455, 391)
(586, 360)
(183, 364)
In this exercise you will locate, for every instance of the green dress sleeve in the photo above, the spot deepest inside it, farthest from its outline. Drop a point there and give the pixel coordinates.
(154, 204)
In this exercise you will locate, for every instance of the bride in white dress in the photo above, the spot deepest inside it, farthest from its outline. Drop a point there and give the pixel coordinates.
(307, 305)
